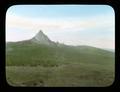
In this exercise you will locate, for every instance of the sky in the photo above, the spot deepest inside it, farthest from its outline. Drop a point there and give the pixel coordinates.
(92, 25)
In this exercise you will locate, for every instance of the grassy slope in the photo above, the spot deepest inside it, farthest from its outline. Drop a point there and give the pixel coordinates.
(43, 65)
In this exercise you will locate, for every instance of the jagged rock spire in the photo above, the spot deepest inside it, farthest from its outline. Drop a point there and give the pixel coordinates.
(41, 38)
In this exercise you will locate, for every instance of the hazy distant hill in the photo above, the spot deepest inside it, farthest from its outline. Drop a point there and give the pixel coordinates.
(112, 50)
(46, 63)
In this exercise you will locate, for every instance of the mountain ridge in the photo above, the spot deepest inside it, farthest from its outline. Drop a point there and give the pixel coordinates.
(41, 38)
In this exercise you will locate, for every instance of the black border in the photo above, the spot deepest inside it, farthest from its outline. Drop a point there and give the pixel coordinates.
(6, 4)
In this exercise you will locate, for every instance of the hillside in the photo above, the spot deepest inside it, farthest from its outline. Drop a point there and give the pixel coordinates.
(44, 62)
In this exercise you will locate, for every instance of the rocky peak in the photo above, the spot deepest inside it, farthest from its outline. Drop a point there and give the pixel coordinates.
(41, 38)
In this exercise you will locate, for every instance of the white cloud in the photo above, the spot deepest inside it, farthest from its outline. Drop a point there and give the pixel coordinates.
(57, 23)
(61, 25)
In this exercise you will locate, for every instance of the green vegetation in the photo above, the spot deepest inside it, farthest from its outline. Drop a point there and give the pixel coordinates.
(31, 64)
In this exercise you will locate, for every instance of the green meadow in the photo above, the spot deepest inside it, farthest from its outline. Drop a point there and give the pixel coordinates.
(58, 65)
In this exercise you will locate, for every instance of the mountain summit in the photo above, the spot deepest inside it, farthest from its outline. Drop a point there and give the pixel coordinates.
(41, 38)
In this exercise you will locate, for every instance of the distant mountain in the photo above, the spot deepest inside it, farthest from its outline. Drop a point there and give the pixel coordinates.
(41, 38)
(42, 44)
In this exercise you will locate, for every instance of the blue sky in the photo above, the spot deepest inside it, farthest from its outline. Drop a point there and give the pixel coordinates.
(70, 24)
(58, 11)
